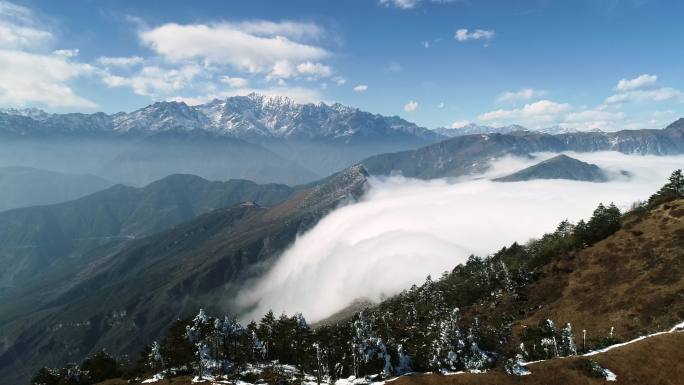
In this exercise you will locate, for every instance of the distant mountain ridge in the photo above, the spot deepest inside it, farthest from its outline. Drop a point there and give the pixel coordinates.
(471, 154)
(27, 186)
(558, 167)
(472, 129)
(36, 240)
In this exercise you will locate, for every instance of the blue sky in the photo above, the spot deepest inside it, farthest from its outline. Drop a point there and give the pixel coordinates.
(607, 64)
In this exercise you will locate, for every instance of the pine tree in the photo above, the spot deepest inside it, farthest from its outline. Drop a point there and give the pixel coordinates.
(404, 365)
(156, 361)
(448, 347)
(514, 366)
(567, 345)
(176, 350)
(581, 234)
(266, 333)
(475, 359)
(549, 341)
(673, 189)
(46, 376)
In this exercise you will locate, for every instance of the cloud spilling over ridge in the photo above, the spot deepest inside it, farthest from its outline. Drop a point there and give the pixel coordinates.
(405, 229)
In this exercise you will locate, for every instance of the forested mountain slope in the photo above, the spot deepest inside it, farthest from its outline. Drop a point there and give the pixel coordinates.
(37, 241)
(128, 297)
(582, 287)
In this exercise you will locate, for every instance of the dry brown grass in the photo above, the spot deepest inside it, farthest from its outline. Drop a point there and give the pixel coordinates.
(632, 281)
(653, 361)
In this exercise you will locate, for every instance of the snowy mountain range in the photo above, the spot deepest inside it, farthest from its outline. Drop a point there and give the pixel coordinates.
(476, 129)
(253, 118)
(315, 140)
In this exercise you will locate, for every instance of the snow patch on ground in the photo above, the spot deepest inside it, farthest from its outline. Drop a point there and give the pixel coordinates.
(675, 329)
(154, 378)
(357, 381)
(608, 375)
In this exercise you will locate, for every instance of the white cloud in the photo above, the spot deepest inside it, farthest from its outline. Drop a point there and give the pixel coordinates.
(19, 28)
(361, 88)
(234, 82)
(291, 29)
(440, 105)
(67, 52)
(394, 67)
(31, 72)
(545, 113)
(643, 88)
(340, 81)
(464, 34)
(410, 4)
(28, 78)
(411, 106)
(155, 81)
(404, 229)
(543, 110)
(518, 96)
(254, 47)
(284, 69)
(593, 119)
(314, 69)
(640, 82)
(401, 4)
(652, 95)
(460, 124)
(122, 62)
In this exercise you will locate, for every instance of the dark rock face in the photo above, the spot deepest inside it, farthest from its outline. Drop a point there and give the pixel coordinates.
(558, 167)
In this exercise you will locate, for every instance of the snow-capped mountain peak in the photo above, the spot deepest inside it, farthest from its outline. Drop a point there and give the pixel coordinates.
(33, 113)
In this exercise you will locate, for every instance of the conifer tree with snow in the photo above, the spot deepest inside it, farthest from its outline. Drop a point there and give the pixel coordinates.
(448, 349)
(514, 366)
(549, 340)
(567, 345)
(475, 359)
(156, 361)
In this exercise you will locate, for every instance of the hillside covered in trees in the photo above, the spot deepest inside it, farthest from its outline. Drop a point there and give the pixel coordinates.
(582, 287)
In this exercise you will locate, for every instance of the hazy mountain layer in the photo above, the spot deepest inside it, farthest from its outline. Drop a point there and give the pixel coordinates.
(471, 154)
(142, 160)
(25, 186)
(37, 241)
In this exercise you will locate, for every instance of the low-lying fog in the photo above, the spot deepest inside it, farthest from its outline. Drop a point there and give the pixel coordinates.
(404, 229)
